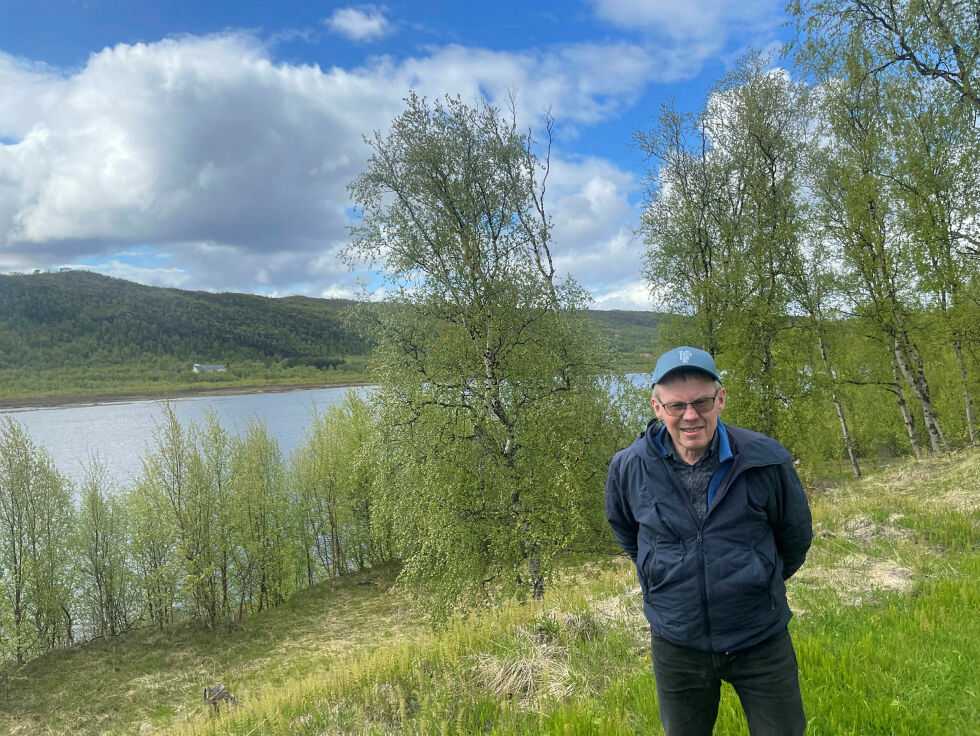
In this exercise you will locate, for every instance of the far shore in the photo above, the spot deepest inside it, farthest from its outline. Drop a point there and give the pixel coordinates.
(53, 402)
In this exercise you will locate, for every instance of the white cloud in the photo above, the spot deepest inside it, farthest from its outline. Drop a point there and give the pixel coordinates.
(629, 295)
(366, 23)
(582, 83)
(236, 166)
(170, 277)
(28, 88)
(593, 216)
(710, 23)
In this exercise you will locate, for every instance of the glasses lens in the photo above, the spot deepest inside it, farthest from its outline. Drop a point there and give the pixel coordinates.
(703, 405)
(677, 408)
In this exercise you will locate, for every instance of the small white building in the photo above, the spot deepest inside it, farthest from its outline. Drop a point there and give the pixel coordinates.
(202, 368)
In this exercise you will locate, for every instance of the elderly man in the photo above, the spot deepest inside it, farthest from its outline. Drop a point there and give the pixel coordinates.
(715, 519)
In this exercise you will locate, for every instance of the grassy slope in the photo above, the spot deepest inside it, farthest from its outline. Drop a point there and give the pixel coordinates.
(887, 635)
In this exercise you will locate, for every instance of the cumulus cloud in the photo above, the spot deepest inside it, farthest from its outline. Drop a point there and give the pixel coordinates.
(594, 220)
(366, 23)
(184, 142)
(206, 149)
(28, 88)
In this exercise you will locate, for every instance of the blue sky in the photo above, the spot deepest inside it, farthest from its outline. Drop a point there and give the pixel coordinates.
(208, 145)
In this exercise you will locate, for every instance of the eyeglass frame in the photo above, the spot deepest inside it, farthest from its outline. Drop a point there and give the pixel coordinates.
(672, 406)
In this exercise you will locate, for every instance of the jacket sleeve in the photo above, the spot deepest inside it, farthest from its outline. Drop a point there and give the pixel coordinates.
(790, 519)
(618, 511)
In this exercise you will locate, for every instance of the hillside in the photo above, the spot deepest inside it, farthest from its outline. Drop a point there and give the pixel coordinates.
(81, 333)
(76, 331)
(886, 633)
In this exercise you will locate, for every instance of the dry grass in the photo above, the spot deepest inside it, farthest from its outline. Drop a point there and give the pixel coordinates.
(857, 555)
(956, 477)
(855, 576)
(537, 667)
(963, 500)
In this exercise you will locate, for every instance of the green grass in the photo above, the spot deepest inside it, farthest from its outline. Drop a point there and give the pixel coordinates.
(887, 634)
(18, 387)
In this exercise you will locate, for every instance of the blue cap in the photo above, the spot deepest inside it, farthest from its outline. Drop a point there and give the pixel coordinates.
(684, 357)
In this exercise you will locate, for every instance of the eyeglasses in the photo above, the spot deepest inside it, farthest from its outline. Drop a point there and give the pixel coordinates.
(678, 408)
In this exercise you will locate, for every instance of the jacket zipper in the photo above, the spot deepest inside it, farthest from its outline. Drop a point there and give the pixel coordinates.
(704, 587)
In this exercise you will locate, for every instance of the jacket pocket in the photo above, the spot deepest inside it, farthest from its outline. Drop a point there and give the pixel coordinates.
(663, 562)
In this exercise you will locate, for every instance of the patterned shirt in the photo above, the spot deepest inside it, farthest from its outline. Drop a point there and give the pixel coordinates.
(694, 479)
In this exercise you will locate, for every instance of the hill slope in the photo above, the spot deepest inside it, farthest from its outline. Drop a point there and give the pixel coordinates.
(886, 633)
(76, 332)
(75, 316)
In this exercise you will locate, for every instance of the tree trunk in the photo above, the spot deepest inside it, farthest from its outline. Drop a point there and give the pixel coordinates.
(920, 388)
(534, 573)
(768, 399)
(906, 414)
(971, 425)
(224, 582)
(848, 442)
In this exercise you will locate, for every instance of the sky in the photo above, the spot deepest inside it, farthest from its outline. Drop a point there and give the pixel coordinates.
(208, 145)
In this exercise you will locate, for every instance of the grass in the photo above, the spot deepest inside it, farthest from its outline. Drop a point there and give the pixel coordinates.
(157, 677)
(887, 634)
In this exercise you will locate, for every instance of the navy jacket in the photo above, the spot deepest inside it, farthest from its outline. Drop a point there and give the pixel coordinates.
(716, 585)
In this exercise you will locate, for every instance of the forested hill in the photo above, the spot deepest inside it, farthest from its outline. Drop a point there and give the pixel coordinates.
(75, 332)
(71, 316)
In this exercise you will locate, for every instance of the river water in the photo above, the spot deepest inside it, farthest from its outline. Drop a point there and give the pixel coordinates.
(120, 433)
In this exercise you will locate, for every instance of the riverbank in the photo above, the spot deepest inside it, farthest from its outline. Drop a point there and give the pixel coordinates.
(50, 402)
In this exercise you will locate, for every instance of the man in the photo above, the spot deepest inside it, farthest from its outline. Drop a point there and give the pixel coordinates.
(715, 520)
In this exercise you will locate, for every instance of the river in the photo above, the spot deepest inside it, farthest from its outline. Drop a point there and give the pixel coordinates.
(120, 433)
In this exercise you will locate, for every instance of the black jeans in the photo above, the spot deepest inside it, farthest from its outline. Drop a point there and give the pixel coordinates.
(765, 677)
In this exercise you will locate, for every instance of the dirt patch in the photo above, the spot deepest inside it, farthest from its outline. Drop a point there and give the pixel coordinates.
(863, 530)
(857, 575)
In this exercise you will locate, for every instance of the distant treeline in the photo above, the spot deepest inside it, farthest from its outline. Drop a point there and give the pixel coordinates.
(82, 332)
(79, 330)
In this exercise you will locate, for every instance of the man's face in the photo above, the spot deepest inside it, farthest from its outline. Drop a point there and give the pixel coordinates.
(691, 432)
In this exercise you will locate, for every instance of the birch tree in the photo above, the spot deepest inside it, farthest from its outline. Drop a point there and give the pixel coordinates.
(101, 538)
(482, 348)
(265, 522)
(36, 566)
(937, 39)
(724, 220)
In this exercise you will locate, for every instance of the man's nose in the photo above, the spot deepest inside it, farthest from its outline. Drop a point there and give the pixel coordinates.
(689, 412)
